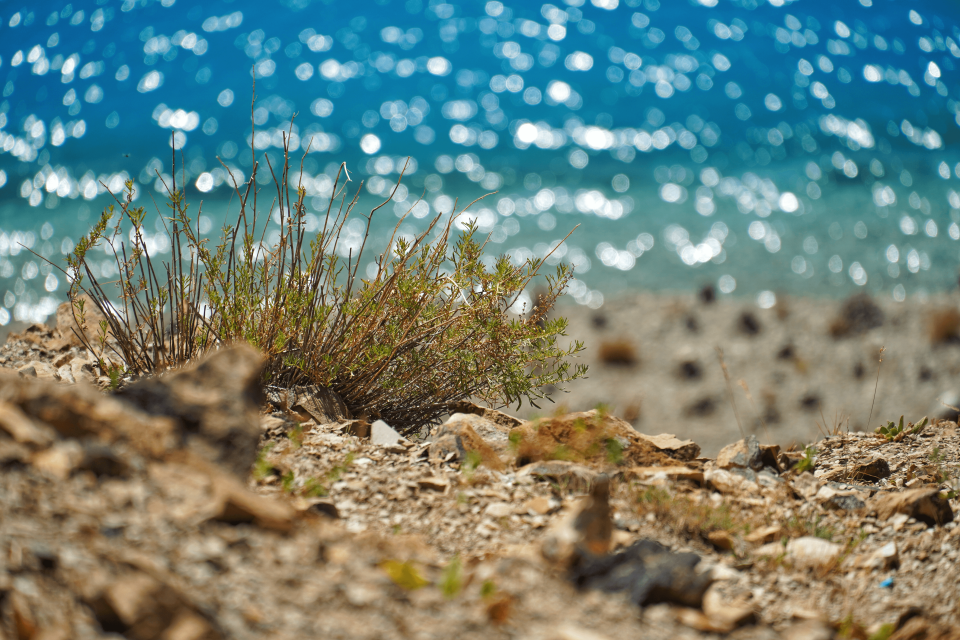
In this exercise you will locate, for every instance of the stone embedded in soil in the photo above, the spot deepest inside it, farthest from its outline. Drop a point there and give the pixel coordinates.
(574, 477)
(674, 447)
(461, 434)
(743, 454)
(659, 475)
(41, 370)
(808, 630)
(590, 437)
(728, 482)
(383, 435)
(764, 534)
(926, 505)
(870, 471)
(648, 572)
(540, 506)
(321, 404)
(235, 504)
(501, 419)
(885, 558)
(722, 540)
(434, 483)
(811, 552)
(832, 498)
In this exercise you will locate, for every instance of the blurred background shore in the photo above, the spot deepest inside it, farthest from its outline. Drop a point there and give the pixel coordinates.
(802, 367)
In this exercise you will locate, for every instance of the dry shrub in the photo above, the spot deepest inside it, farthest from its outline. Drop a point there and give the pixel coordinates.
(592, 437)
(858, 314)
(618, 353)
(944, 326)
(425, 323)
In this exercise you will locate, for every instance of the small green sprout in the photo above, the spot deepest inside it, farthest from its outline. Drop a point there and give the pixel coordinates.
(808, 462)
(452, 580)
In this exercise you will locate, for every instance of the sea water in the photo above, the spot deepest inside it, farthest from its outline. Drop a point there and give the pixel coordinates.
(759, 146)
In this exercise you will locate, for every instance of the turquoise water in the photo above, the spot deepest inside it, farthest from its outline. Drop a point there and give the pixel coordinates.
(761, 147)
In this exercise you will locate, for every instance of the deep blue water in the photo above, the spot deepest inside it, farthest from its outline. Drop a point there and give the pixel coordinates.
(762, 146)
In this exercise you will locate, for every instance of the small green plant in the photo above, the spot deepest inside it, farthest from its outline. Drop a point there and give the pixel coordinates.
(808, 462)
(287, 481)
(894, 431)
(313, 488)
(488, 588)
(404, 574)
(470, 464)
(399, 335)
(116, 373)
(295, 436)
(614, 451)
(884, 632)
(451, 582)
(262, 468)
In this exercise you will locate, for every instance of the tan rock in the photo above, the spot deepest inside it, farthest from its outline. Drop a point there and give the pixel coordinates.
(743, 454)
(764, 535)
(321, 404)
(574, 632)
(440, 484)
(811, 552)
(82, 411)
(37, 369)
(142, 606)
(574, 477)
(22, 428)
(237, 504)
(499, 509)
(870, 471)
(675, 448)
(463, 433)
(82, 370)
(925, 505)
(885, 558)
(69, 331)
(722, 540)
(726, 482)
(592, 438)
(501, 419)
(727, 614)
(808, 630)
(215, 402)
(657, 475)
(60, 460)
(539, 506)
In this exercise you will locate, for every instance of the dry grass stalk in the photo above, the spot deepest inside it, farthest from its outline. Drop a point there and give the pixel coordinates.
(733, 402)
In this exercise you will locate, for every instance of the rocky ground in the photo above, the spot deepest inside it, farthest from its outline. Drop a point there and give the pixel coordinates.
(193, 505)
(653, 361)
